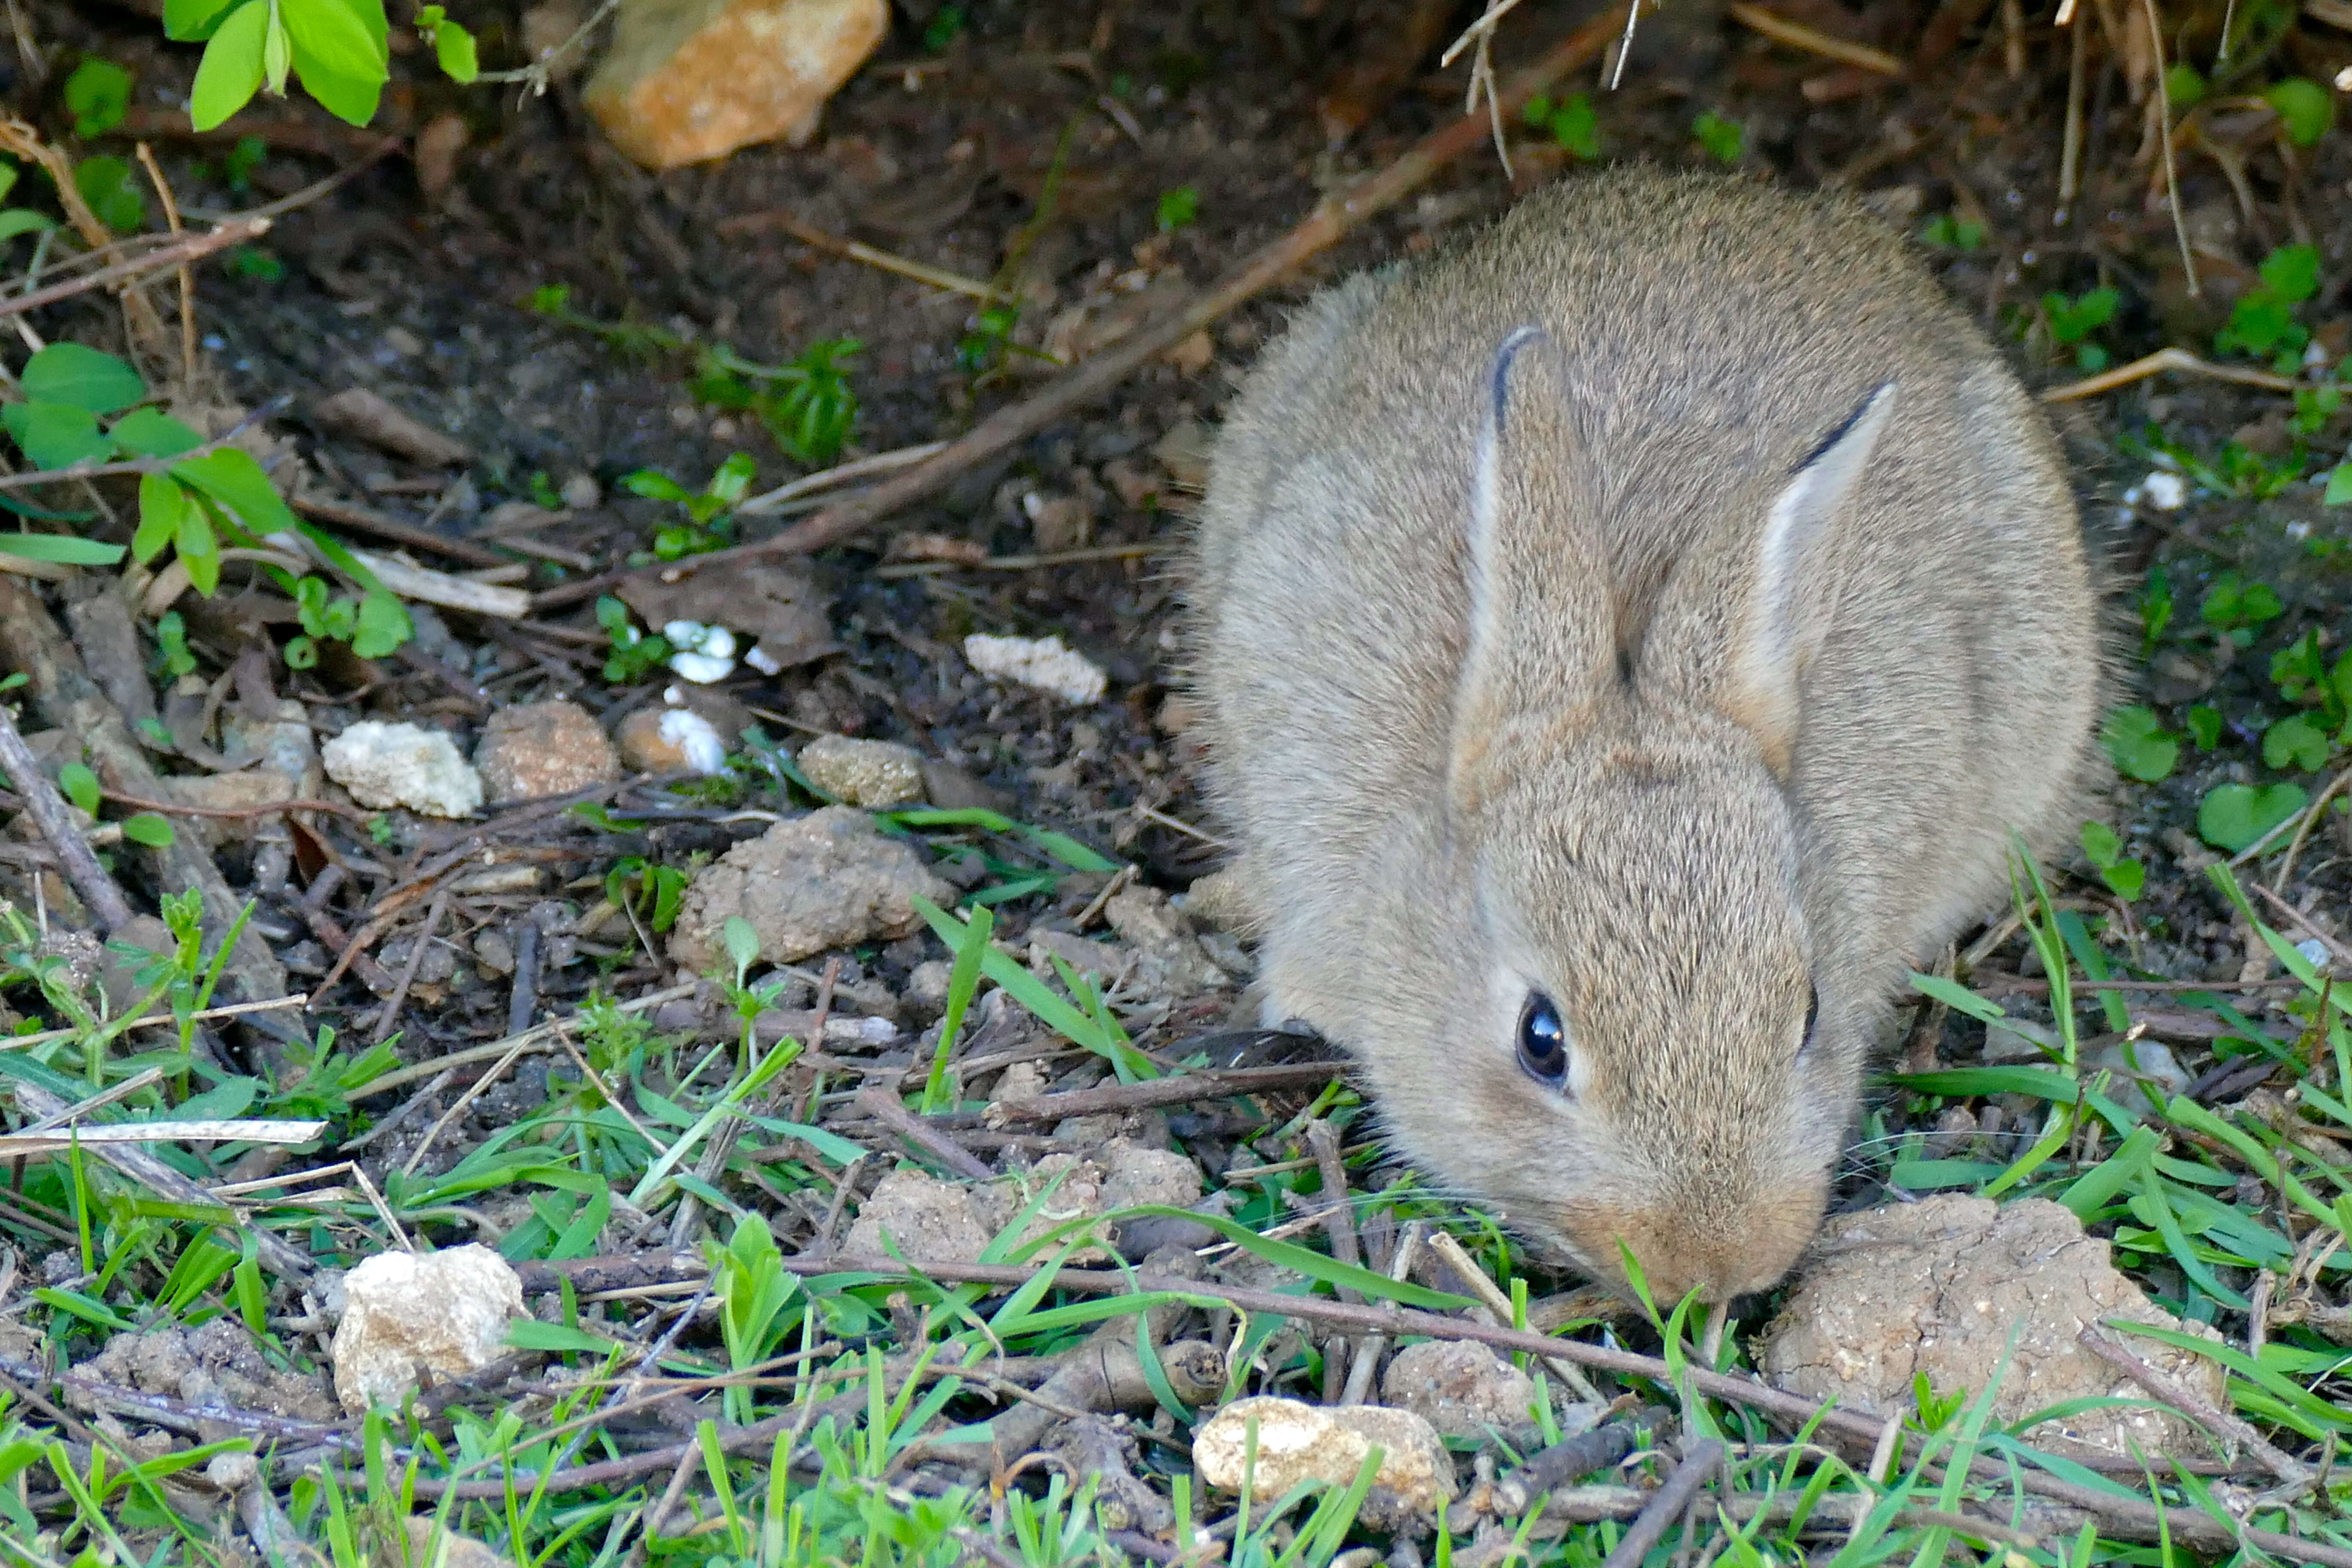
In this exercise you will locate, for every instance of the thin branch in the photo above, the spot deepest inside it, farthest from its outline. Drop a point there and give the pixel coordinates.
(163, 257)
(55, 819)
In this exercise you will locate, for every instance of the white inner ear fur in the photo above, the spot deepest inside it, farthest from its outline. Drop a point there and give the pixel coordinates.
(1774, 643)
(1486, 502)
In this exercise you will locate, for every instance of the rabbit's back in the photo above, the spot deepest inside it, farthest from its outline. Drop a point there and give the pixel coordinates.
(1712, 333)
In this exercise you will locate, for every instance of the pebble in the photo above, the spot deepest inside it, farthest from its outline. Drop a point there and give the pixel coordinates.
(824, 881)
(1298, 1442)
(386, 765)
(446, 1310)
(537, 749)
(871, 773)
(687, 80)
(1045, 663)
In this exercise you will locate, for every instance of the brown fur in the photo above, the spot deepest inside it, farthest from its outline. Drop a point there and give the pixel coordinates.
(1433, 822)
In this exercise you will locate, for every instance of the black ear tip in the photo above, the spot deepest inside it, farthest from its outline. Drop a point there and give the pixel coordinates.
(1876, 398)
(1498, 375)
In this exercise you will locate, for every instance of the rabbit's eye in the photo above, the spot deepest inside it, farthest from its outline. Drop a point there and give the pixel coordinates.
(1543, 1040)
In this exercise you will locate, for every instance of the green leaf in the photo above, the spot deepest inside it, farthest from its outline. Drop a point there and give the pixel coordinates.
(56, 435)
(2102, 844)
(23, 220)
(383, 625)
(230, 73)
(2205, 724)
(149, 829)
(151, 433)
(2183, 87)
(743, 943)
(82, 378)
(62, 548)
(2305, 108)
(80, 786)
(1722, 138)
(2339, 487)
(97, 94)
(2292, 272)
(199, 546)
(454, 47)
(2137, 743)
(2235, 816)
(2126, 878)
(235, 481)
(194, 21)
(2296, 742)
(160, 502)
(340, 55)
(111, 189)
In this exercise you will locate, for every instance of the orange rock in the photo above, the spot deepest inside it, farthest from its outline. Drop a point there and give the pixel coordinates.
(692, 80)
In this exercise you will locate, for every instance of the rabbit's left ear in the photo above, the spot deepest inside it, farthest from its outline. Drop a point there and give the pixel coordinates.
(1774, 637)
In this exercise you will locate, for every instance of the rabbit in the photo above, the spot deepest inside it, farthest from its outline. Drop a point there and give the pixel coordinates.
(1624, 645)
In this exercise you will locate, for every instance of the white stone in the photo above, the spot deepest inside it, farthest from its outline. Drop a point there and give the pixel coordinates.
(1045, 663)
(2164, 491)
(447, 1312)
(388, 765)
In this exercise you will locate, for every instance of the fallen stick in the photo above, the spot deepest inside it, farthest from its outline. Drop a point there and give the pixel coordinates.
(161, 258)
(1332, 220)
(2195, 1407)
(2163, 360)
(1668, 1502)
(1177, 1089)
(55, 819)
(367, 519)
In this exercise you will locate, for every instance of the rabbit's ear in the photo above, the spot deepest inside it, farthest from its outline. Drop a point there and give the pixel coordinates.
(1774, 639)
(1540, 643)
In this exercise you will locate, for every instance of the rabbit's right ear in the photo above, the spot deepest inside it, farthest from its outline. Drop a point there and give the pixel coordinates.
(1774, 638)
(1541, 643)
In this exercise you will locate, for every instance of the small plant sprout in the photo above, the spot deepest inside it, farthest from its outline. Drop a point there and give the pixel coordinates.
(1178, 208)
(2139, 745)
(1946, 231)
(453, 45)
(2104, 849)
(1724, 140)
(633, 655)
(2237, 609)
(96, 95)
(2234, 817)
(2072, 322)
(375, 624)
(708, 523)
(808, 407)
(1569, 120)
(2262, 322)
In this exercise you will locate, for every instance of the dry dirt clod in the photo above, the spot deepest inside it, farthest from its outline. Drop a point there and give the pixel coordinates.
(537, 749)
(1936, 1287)
(386, 765)
(691, 80)
(1169, 959)
(929, 1220)
(824, 881)
(445, 1311)
(1460, 1389)
(1298, 1442)
(871, 773)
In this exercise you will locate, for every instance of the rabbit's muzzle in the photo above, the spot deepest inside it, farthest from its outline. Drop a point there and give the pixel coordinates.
(1721, 1250)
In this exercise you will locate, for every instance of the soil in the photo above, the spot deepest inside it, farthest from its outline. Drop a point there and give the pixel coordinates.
(1036, 147)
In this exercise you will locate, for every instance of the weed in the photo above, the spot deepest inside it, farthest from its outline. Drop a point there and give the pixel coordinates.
(632, 339)
(375, 624)
(2237, 609)
(1569, 122)
(1723, 140)
(1945, 232)
(2235, 817)
(2262, 322)
(96, 95)
(2071, 322)
(708, 523)
(944, 27)
(1178, 208)
(2306, 110)
(808, 406)
(988, 340)
(2124, 877)
(2139, 745)
(631, 655)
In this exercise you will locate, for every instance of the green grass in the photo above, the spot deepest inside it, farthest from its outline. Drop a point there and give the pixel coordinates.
(821, 1403)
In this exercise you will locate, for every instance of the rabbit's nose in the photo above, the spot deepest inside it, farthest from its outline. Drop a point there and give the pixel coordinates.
(1721, 1252)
